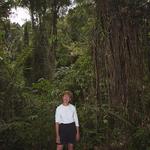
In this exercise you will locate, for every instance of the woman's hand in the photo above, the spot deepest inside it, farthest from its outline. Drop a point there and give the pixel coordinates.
(58, 139)
(77, 136)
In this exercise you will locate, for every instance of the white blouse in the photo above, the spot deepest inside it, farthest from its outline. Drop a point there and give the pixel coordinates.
(66, 114)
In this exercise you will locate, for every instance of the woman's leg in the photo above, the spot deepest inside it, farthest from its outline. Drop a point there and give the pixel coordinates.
(70, 146)
(59, 147)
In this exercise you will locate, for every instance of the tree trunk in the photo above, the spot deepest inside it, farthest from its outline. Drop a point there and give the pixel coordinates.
(118, 54)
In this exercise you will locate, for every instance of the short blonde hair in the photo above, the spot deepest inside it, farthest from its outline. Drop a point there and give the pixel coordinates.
(67, 92)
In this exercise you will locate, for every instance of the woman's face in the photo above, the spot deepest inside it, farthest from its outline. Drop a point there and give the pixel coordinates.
(66, 99)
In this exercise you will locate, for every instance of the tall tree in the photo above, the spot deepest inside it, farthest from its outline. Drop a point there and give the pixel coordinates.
(44, 16)
(118, 49)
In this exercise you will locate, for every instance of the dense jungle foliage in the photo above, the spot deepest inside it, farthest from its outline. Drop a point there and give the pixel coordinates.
(98, 49)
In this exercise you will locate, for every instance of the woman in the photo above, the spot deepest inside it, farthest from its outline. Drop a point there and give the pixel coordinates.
(67, 124)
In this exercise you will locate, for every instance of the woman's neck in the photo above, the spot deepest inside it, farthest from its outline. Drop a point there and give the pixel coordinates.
(65, 104)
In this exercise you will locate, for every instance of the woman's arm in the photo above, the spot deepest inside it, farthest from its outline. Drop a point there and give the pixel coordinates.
(77, 125)
(78, 133)
(76, 118)
(57, 129)
(57, 120)
(57, 132)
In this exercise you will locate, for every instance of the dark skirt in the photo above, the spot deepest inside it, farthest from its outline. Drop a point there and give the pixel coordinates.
(67, 133)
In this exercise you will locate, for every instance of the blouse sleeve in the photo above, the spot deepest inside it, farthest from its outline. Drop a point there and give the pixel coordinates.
(76, 118)
(57, 115)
